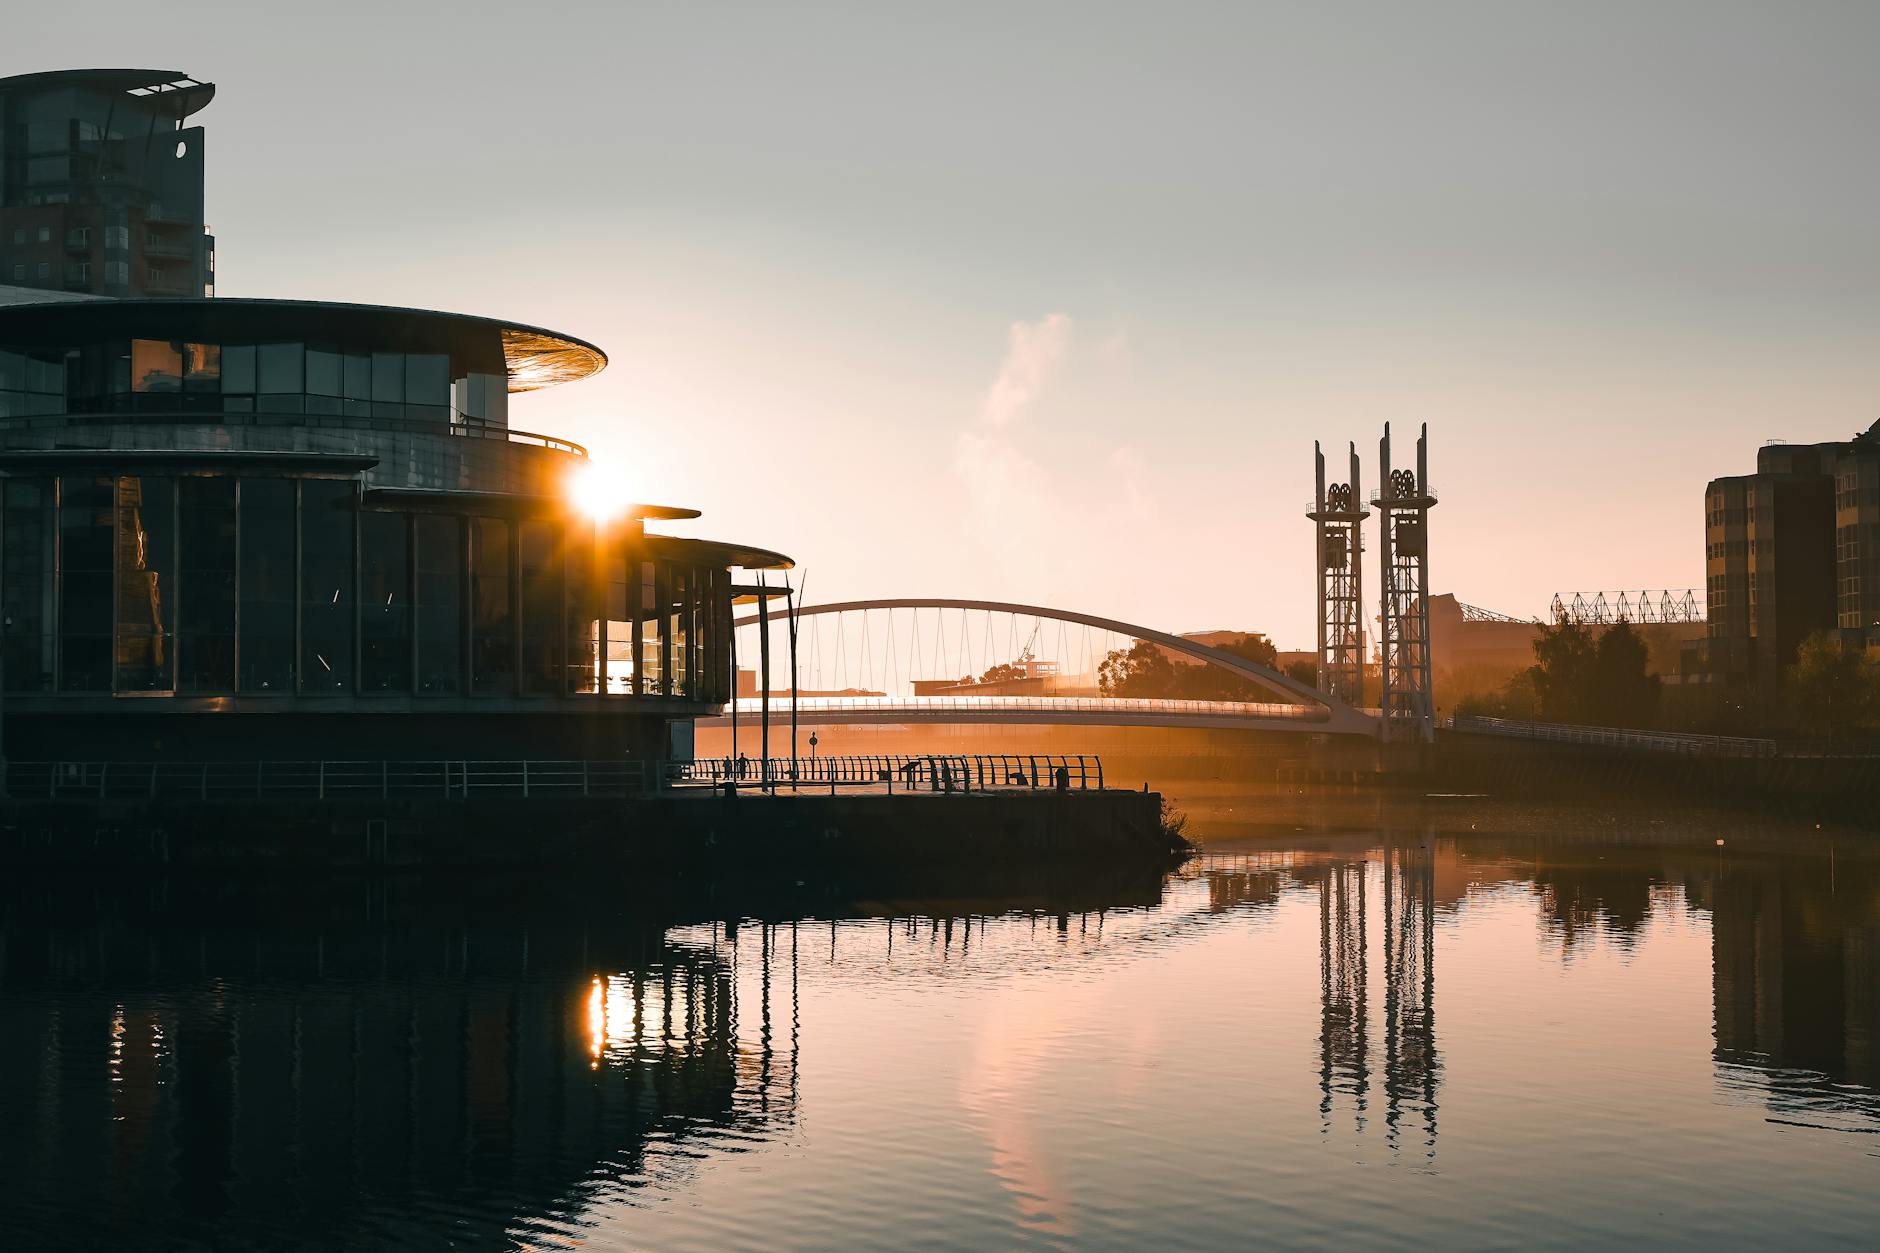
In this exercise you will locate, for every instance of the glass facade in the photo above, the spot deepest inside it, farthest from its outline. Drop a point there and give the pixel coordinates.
(174, 377)
(199, 584)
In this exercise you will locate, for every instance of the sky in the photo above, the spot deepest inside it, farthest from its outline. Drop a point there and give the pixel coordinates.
(1048, 303)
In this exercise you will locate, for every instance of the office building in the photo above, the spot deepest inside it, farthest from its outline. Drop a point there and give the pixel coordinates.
(101, 183)
(1791, 550)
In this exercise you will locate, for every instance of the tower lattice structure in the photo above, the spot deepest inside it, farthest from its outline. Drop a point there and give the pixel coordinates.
(1339, 511)
(1403, 501)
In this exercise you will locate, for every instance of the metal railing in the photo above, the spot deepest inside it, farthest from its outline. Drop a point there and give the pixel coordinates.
(1620, 737)
(947, 773)
(780, 705)
(475, 428)
(321, 780)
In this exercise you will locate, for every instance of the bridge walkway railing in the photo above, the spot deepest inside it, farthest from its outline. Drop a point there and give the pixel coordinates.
(1619, 737)
(780, 705)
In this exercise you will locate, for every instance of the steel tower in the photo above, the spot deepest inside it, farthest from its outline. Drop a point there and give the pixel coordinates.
(1339, 511)
(1403, 503)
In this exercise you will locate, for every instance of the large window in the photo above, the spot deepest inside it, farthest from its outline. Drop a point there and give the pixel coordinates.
(87, 534)
(385, 602)
(266, 647)
(620, 671)
(166, 376)
(649, 635)
(205, 584)
(539, 565)
(440, 564)
(582, 613)
(492, 615)
(679, 629)
(26, 583)
(32, 383)
(146, 583)
(326, 592)
(205, 612)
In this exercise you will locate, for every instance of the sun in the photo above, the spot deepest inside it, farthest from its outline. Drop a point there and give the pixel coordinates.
(599, 491)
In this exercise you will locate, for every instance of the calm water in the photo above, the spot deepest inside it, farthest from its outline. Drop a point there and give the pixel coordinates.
(1554, 1029)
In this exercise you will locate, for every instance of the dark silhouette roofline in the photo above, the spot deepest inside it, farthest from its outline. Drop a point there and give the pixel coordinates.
(171, 91)
(533, 356)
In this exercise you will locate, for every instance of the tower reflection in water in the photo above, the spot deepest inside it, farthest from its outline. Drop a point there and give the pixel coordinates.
(1402, 1065)
(349, 1085)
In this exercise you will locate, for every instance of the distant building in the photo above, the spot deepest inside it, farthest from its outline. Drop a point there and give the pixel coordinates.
(1477, 655)
(101, 183)
(1790, 550)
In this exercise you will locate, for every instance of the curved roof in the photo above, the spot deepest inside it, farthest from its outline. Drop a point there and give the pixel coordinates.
(744, 556)
(532, 356)
(168, 91)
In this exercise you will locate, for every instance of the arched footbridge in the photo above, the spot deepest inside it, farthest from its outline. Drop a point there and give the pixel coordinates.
(920, 660)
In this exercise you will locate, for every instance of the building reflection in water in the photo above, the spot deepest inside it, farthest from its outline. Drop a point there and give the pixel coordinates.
(1796, 983)
(348, 1085)
(361, 1072)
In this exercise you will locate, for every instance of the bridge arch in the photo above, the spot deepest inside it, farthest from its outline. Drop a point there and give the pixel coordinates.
(1338, 717)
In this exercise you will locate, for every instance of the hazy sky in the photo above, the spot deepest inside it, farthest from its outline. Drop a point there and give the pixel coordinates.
(1048, 302)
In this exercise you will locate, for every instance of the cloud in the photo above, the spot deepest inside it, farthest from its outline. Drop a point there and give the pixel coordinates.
(1032, 354)
(1010, 499)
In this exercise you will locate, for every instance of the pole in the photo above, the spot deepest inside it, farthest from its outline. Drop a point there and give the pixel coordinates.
(1356, 695)
(763, 661)
(733, 629)
(789, 605)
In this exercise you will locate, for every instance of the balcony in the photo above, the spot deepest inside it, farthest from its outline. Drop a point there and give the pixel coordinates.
(171, 285)
(168, 249)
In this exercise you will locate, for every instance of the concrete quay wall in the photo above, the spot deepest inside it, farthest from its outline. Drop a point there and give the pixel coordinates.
(677, 831)
(1846, 788)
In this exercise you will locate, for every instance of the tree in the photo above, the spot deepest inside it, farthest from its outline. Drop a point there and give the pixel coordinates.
(1211, 682)
(1576, 678)
(1831, 686)
(1255, 648)
(1562, 673)
(1306, 672)
(1624, 693)
(1146, 671)
(1140, 671)
(1004, 672)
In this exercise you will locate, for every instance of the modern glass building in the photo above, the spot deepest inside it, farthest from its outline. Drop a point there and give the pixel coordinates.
(262, 529)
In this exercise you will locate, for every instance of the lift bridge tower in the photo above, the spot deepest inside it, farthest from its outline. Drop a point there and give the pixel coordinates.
(1339, 511)
(1404, 501)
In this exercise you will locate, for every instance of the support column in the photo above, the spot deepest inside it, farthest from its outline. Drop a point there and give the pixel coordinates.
(1404, 500)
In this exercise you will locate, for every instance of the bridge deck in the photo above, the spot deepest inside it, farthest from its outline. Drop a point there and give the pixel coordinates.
(1050, 711)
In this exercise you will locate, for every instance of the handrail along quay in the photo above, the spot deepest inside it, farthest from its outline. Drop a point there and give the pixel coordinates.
(322, 780)
(943, 773)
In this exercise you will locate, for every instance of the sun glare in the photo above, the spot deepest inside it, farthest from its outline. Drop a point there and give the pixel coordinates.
(599, 492)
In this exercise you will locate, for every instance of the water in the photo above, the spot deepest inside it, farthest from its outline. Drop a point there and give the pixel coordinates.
(1555, 1029)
